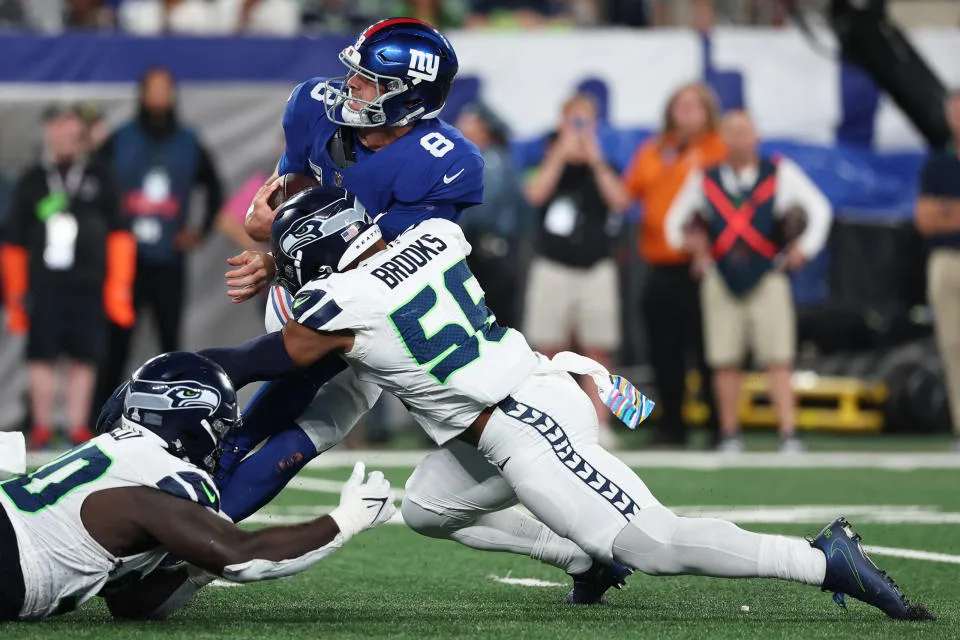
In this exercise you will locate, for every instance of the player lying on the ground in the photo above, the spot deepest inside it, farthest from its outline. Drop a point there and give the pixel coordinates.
(103, 515)
(376, 132)
(410, 317)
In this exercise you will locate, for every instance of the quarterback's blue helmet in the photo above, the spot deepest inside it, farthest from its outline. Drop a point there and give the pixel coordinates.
(412, 66)
(187, 400)
(319, 231)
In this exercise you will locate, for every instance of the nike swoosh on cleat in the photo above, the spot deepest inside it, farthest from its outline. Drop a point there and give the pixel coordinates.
(448, 179)
(844, 550)
(382, 501)
(300, 301)
(504, 463)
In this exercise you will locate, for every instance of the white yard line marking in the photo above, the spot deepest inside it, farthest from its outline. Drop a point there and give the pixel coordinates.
(226, 584)
(317, 485)
(821, 514)
(816, 515)
(525, 582)
(276, 516)
(323, 485)
(810, 514)
(705, 460)
(913, 554)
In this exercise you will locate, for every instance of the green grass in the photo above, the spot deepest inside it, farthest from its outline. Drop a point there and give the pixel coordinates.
(756, 440)
(392, 583)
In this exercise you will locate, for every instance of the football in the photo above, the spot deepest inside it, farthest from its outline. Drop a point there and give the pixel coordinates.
(791, 226)
(290, 185)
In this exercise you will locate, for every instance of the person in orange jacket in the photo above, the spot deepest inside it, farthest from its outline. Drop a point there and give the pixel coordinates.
(68, 265)
(671, 304)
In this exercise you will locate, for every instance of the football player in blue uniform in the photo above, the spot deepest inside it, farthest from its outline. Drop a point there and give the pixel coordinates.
(375, 132)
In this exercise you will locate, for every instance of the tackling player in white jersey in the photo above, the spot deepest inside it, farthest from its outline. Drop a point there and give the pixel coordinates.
(410, 317)
(102, 516)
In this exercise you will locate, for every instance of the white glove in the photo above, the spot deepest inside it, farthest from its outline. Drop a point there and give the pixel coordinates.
(13, 454)
(363, 505)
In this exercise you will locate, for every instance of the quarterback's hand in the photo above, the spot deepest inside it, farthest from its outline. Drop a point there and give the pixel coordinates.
(363, 504)
(254, 273)
(259, 220)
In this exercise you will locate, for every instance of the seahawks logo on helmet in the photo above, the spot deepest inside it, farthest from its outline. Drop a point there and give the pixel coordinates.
(191, 396)
(301, 235)
(147, 394)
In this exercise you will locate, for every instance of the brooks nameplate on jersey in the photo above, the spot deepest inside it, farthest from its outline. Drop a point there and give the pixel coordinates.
(422, 330)
(408, 261)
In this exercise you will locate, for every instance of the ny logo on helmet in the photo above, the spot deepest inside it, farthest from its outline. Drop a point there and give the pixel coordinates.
(300, 235)
(423, 66)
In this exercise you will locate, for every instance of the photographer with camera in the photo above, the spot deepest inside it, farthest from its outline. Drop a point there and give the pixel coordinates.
(572, 293)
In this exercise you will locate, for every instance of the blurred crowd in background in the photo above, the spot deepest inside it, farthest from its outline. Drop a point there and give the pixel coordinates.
(97, 232)
(94, 232)
(290, 17)
(293, 16)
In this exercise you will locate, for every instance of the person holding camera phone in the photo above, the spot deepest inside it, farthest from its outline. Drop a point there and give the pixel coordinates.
(572, 293)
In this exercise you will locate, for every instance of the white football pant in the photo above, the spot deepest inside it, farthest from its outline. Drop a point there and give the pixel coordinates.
(454, 493)
(544, 440)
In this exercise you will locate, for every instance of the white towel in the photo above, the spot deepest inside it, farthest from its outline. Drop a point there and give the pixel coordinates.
(620, 396)
(13, 454)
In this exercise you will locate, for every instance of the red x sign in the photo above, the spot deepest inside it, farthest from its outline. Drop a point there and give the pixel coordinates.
(739, 219)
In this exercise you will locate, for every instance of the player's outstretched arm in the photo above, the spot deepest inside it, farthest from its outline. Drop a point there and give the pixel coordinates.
(306, 346)
(213, 544)
(274, 355)
(205, 540)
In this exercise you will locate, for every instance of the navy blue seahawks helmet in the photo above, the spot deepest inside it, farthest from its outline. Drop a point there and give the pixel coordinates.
(412, 65)
(112, 410)
(187, 400)
(319, 231)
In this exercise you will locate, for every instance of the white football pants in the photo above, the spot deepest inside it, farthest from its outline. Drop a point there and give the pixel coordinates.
(544, 440)
(454, 493)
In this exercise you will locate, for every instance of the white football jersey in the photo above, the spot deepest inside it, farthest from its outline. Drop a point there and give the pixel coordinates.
(422, 330)
(62, 565)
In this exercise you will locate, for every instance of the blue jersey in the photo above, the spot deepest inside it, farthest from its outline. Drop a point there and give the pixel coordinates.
(431, 172)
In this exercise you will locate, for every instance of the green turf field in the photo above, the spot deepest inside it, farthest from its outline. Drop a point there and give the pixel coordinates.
(394, 583)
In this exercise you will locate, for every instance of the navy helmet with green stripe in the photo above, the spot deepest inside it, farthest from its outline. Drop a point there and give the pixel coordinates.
(186, 399)
(319, 231)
